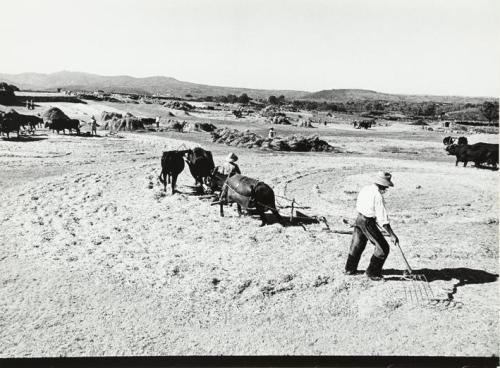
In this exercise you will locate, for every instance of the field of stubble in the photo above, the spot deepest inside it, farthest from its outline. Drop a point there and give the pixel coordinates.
(96, 263)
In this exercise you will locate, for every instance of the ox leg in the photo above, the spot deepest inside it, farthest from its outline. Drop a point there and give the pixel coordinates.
(278, 216)
(239, 209)
(221, 209)
(174, 182)
(163, 180)
(260, 210)
(465, 163)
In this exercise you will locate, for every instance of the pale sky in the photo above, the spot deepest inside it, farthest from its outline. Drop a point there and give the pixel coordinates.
(449, 47)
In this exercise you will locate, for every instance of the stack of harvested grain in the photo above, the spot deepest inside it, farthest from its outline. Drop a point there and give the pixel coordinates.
(54, 113)
(306, 123)
(178, 105)
(127, 122)
(251, 140)
(270, 111)
(280, 118)
(110, 115)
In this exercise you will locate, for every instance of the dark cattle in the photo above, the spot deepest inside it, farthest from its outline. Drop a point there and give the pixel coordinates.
(31, 120)
(479, 153)
(201, 164)
(465, 153)
(9, 123)
(492, 158)
(451, 140)
(364, 124)
(448, 140)
(63, 124)
(172, 164)
(250, 193)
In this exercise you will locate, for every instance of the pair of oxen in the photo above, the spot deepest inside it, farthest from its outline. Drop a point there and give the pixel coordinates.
(246, 192)
(12, 122)
(479, 153)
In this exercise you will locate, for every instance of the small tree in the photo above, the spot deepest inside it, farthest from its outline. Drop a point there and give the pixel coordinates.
(244, 99)
(232, 98)
(490, 111)
(273, 100)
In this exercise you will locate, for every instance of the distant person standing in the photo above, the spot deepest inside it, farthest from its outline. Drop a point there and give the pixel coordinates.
(28, 104)
(272, 133)
(93, 125)
(157, 120)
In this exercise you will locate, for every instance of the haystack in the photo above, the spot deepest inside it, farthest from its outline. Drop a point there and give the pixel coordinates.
(251, 140)
(198, 127)
(110, 115)
(125, 123)
(54, 113)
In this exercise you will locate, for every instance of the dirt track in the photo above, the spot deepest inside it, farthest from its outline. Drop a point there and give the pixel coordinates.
(96, 263)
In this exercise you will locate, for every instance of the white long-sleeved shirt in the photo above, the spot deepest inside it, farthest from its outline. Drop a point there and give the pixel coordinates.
(370, 203)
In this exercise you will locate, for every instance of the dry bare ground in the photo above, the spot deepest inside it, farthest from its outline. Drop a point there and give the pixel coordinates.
(94, 262)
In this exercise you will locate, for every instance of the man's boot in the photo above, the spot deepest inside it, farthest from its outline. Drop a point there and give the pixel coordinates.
(374, 270)
(351, 266)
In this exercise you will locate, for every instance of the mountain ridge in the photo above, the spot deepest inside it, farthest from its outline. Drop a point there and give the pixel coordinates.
(169, 86)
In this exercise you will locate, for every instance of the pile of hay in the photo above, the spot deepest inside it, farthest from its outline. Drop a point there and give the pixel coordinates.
(54, 113)
(198, 127)
(280, 118)
(115, 121)
(184, 126)
(128, 122)
(306, 123)
(270, 111)
(110, 115)
(178, 105)
(251, 140)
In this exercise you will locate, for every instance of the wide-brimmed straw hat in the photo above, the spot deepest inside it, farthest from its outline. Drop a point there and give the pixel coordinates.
(383, 178)
(231, 157)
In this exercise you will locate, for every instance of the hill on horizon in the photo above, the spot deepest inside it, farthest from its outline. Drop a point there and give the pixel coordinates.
(168, 86)
(165, 86)
(344, 95)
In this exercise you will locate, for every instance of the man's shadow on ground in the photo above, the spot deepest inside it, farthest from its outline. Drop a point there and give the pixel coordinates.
(465, 276)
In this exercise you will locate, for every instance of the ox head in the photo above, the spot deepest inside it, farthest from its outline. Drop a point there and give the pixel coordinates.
(452, 149)
(448, 140)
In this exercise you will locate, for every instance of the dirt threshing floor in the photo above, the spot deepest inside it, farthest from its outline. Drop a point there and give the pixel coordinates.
(95, 263)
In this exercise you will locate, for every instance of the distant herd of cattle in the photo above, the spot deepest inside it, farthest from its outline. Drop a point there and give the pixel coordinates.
(479, 153)
(13, 122)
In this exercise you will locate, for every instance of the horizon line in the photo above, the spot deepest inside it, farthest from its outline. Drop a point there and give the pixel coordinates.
(252, 88)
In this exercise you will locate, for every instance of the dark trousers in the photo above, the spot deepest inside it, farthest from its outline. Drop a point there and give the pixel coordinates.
(365, 228)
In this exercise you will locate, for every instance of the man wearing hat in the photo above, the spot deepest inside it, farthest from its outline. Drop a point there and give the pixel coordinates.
(228, 168)
(371, 212)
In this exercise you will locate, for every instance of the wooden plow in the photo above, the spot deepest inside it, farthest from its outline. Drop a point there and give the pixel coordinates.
(297, 217)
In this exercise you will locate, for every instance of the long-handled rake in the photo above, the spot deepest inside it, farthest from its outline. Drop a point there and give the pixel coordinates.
(419, 290)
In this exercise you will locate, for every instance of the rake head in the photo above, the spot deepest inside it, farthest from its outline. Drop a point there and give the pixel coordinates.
(416, 288)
